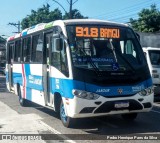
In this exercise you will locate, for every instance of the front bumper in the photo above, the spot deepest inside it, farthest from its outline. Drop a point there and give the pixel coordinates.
(79, 108)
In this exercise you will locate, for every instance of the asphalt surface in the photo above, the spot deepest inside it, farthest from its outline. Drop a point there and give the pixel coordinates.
(102, 129)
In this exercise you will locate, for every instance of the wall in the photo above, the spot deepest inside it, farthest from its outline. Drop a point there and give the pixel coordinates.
(150, 39)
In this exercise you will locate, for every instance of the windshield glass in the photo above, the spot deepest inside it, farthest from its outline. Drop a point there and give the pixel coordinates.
(154, 57)
(104, 48)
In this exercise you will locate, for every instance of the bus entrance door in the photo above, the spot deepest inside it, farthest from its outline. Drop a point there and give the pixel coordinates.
(46, 70)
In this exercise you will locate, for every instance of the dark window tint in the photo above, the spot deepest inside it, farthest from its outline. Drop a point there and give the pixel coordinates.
(154, 57)
(17, 51)
(26, 49)
(37, 48)
(10, 50)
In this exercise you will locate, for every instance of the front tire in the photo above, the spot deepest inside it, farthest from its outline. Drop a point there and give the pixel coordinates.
(66, 121)
(129, 117)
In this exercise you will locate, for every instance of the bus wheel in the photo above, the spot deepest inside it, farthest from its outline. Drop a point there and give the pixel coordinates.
(22, 101)
(67, 121)
(129, 117)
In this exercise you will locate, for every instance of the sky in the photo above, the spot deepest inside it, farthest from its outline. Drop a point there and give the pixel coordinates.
(114, 10)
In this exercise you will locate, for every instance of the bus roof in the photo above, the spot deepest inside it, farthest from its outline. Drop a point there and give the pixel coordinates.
(43, 26)
(93, 21)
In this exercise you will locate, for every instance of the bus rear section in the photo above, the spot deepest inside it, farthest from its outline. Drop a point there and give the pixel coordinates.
(153, 60)
(87, 68)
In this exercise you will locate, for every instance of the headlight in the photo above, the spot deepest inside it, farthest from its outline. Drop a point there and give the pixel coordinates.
(146, 92)
(85, 95)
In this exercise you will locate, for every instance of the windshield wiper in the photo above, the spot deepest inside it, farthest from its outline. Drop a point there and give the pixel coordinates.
(113, 50)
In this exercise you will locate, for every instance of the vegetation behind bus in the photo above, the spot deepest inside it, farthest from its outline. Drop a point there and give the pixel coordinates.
(44, 15)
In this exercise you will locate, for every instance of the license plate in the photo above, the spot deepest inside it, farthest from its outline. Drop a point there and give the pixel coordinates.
(121, 104)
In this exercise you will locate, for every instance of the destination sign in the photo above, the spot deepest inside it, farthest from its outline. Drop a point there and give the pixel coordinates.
(95, 32)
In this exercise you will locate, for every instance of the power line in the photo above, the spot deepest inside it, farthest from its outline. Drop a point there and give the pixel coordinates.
(70, 2)
(111, 12)
(125, 17)
(127, 9)
(17, 25)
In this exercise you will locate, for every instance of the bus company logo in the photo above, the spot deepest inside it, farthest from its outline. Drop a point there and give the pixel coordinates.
(120, 91)
(103, 90)
(137, 88)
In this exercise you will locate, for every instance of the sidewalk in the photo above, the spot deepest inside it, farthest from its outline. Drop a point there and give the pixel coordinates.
(13, 123)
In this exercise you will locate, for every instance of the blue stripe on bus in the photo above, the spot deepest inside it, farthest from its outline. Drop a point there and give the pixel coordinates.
(34, 82)
(17, 78)
(27, 70)
(65, 86)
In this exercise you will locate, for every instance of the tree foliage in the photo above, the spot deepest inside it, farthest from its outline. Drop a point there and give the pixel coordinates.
(148, 21)
(75, 15)
(44, 15)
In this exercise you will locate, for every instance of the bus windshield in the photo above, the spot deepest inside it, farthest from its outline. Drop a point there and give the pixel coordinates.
(104, 48)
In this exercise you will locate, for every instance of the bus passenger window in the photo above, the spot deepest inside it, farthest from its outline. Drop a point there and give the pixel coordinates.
(17, 51)
(37, 54)
(10, 53)
(26, 49)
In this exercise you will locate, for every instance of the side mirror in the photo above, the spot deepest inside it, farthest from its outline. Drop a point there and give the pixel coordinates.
(58, 44)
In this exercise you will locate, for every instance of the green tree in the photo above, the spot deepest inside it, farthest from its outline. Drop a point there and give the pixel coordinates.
(75, 15)
(42, 15)
(148, 21)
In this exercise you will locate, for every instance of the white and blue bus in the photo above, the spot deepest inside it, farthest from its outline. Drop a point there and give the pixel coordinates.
(80, 68)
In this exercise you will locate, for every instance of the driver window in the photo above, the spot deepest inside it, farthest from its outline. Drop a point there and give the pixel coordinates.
(59, 58)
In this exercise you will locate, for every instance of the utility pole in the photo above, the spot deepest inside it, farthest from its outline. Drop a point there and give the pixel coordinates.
(71, 3)
(70, 9)
(17, 25)
(60, 5)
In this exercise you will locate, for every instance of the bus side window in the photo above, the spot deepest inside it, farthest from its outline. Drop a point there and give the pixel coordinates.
(37, 54)
(26, 49)
(10, 53)
(59, 59)
(17, 51)
(64, 61)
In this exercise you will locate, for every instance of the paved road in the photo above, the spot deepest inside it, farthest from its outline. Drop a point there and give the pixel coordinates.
(110, 126)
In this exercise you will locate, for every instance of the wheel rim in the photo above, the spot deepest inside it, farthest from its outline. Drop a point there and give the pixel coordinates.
(63, 114)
